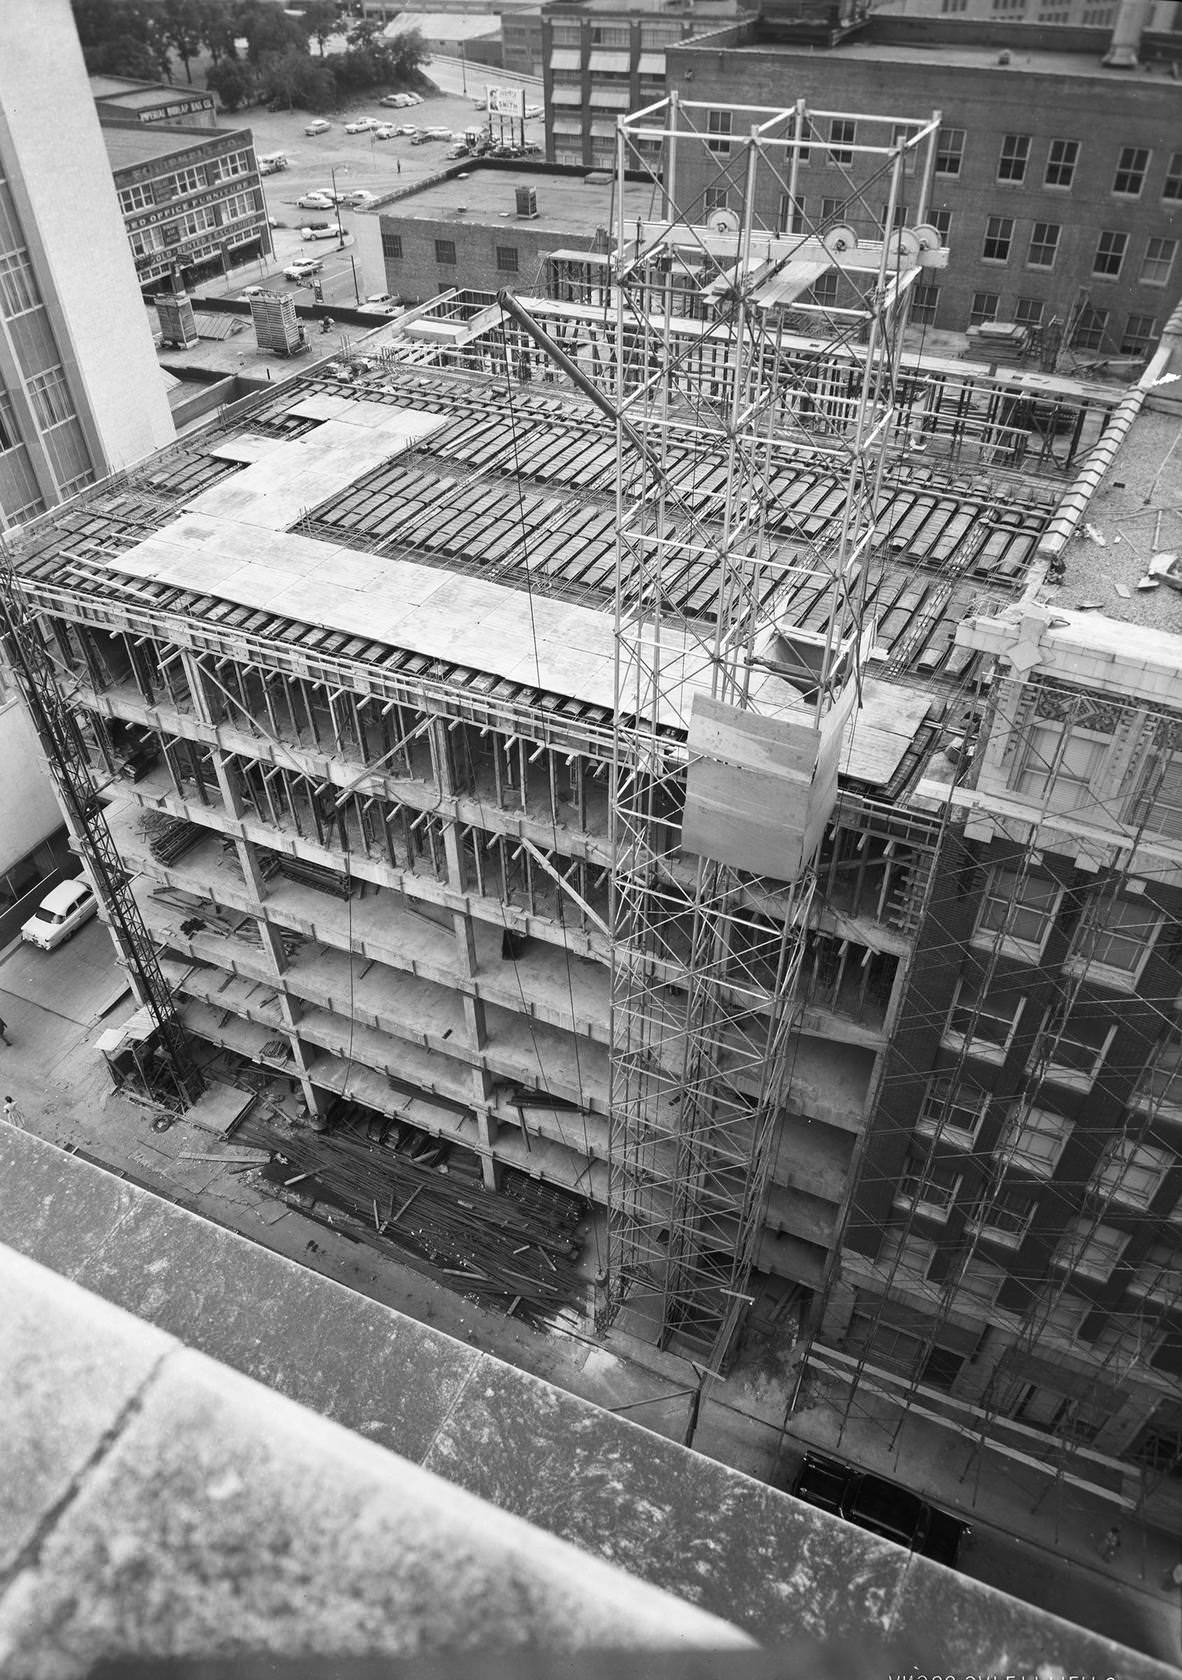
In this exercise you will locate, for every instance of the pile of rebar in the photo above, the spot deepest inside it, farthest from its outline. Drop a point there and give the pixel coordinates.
(169, 838)
(517, 1250)
(313, 875)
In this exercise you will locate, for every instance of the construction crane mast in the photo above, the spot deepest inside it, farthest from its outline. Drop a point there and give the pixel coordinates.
(69, 764)
(728, 726)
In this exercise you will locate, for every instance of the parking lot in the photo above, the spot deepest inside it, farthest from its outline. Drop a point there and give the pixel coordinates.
(354, 162)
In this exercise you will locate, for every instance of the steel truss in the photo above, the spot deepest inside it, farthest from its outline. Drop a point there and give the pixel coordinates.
(707, 953)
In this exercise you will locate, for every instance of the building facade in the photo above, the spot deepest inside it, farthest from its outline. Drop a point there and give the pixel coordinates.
(192, 201)
(120, 100)
(80, 392)
(1056, 181)
(601, 60)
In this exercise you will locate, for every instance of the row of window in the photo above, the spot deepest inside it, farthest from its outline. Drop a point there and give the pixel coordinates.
(1115, 934)
(205, 219)
(1091, 328)
(1112, 246)
(144, 195)
(507, 256)
(615, 35)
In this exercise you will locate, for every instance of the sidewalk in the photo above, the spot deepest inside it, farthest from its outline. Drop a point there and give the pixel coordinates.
(1033, 1537)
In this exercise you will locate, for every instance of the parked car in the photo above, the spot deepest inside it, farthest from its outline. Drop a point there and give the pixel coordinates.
(399, 101)
(318, 127)
(249, 292)
(456, 152)
(880, 1506)
(270, 163)
(303, 268)
(60, 914)
(360, 200)
(314, 201)
(381, 300)
(318, 233)
(361, 125)
(413, 98)
(387, 131)
(407, 128)
(534, 110)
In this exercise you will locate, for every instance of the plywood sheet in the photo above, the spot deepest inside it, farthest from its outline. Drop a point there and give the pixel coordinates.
(749, 788)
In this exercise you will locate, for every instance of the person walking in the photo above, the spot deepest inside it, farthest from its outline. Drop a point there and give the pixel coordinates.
(12, 1114)
(4, 1034)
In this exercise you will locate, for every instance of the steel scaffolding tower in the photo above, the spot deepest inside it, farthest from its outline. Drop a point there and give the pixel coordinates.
(728, 728)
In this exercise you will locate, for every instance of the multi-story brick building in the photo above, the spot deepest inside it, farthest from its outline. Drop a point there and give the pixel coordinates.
(192, 200)
(601, 59)
(1056, 181)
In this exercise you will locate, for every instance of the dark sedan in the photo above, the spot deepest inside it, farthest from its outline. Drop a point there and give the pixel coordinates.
(882, 1507)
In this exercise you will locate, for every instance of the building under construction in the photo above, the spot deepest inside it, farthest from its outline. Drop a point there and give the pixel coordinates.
(608, 744)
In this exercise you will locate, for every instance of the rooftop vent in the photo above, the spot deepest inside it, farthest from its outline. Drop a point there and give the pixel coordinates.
(1125, 44)
(527, 202)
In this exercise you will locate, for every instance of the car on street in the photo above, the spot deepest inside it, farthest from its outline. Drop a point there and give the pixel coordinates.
(318, 127)
(249, 292)
(880, 1506)
(60, 914)
(303, 268)
(533, 111)
(381, 301)
(314, 201)
(360, 200)
(457, 151)
(318, 233)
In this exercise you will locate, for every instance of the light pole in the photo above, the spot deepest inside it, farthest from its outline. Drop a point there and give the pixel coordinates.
(336, 204)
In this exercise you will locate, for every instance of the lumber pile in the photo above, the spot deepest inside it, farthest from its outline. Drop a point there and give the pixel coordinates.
(169, 838)
(313, 875)
(418, 1200)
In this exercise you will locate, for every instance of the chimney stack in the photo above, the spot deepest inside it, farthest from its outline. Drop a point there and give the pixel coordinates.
(1125, 44)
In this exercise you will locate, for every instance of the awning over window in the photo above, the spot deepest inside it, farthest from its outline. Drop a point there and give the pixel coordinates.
(565, 58)
(651, 64)
(617, 61)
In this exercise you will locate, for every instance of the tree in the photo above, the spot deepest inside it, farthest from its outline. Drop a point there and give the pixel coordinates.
(269, 30)
(220, 29)
(121, 38)
(321, 18)
(182, 26)
(234, 83)
(292, 78)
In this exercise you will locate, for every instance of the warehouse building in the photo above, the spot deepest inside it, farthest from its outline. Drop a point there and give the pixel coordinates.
(1056, 179)
(738, 852)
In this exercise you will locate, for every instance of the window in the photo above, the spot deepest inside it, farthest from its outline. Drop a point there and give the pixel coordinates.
(900, 218)
(566, 35)
(718, 123)
(843, 133)
(824, 291)
(1059, 765)
(1159, 1276)
(950, 6)
(999, 236)
(1160, 1085)
(188, 180)
(1020, 909)
(952, 1111)
(1062, 158)
(983, 308)
(445, 252)
(1131, 166)
(790, 217)
(1110, 254)
(1140, 332)
(941, 220)
(1090, 327)
(50, 397)
(1172, 187)
(1091, 1250)
(1028, 312)
(983, 1022)
(136, 197)
(1015, 155)
(949, 151)
(1158, 804)
(1159, 260)
(832, 210)
(392, 245)
(18, 289)
(1077, 1051)
(928, 1186)
(237, 163)
(1033, 1140)
(715, 198)
(203, 220)
(979, 1282)
(507, 259)
(900, 134)
(1006, 1216)
(1131, 1172)
(925, 300)
(1118, 935)
(1044, 244)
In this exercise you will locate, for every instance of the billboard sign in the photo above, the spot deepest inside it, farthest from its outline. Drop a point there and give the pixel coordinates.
(507, 102)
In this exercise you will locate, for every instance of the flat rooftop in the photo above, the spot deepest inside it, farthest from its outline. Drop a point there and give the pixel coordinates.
(567, 204)
(129, 147)
(942, 56)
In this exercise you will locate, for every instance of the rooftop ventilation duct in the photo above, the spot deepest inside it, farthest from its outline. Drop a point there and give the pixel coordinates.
(1126, 35)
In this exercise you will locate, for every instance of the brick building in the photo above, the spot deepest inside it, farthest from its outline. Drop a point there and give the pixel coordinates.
(1056, 181)
(601, 59)
(192, 200)
(121, 100)
(482, 227)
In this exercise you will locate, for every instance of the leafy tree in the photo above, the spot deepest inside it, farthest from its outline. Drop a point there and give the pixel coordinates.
(182, 25)
(269, 30)
(292, 78)
(321, 18)
(234, 82)
(220, 29)
(121, 38)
